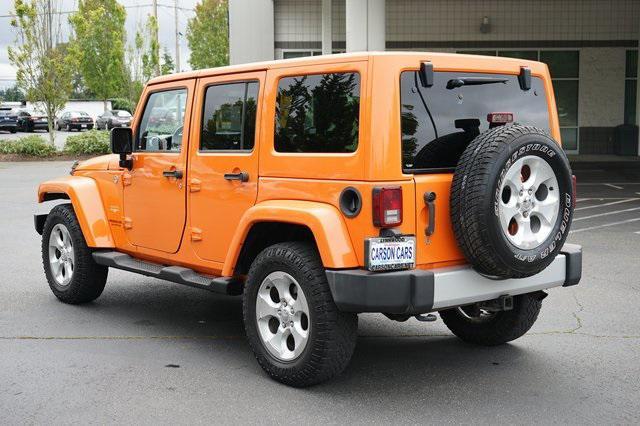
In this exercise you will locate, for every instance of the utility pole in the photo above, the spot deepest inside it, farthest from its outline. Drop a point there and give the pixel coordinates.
(49, 25)
(155, 36)
(175, 13)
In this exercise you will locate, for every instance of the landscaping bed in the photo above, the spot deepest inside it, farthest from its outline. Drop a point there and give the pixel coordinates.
(36, 148)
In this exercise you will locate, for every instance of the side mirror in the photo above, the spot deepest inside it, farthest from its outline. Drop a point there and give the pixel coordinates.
(122, 143)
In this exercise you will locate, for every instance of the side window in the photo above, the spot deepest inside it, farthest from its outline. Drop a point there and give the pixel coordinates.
(162, 122)
(229, 117)
(318, 113)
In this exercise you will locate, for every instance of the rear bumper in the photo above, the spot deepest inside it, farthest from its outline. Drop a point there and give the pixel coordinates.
(419, 291)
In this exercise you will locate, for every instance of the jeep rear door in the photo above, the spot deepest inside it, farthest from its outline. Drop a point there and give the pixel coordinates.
(438, 122)
(223, 161)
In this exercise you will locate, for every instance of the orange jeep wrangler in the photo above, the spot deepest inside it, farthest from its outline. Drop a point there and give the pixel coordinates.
(319, 188)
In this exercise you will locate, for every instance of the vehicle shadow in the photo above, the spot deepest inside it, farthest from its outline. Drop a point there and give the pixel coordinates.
(402, 363)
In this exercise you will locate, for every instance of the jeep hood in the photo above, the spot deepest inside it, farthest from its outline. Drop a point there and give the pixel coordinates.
(104, 162)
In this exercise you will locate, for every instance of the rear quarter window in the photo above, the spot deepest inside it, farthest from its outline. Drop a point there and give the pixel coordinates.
(318, 113)
(438, 123)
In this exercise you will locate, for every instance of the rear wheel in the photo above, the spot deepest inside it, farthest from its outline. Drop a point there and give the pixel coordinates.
(292, 323)
(72, 274)
(475, 325)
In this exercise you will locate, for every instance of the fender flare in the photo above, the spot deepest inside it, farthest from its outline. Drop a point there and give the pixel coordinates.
(324, 220)
(87, 203)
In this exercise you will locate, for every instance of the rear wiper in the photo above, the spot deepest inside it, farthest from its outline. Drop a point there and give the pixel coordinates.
(473, 81)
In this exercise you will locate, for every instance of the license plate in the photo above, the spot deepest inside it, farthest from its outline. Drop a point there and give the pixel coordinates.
(84, 126)
(393, 253)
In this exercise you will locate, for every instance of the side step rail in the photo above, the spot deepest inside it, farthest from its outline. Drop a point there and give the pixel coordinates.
(176, 274)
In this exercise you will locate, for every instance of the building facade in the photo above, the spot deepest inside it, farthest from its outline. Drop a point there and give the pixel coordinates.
(590, 46)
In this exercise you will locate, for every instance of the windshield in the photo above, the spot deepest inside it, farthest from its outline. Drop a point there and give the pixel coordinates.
(78, 114)
(123, 114)
(438, 122)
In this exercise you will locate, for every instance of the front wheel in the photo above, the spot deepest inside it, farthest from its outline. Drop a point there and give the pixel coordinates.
(476, 325)
(295, 330)
(72, 274)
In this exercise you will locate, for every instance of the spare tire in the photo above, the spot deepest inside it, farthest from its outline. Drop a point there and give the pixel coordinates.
(512, 201)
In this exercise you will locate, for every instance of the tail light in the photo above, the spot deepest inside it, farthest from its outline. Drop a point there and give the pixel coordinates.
(574, 187)
(387, 206)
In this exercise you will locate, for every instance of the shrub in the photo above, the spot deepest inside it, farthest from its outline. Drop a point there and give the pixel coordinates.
(32, 146)
(91, 142)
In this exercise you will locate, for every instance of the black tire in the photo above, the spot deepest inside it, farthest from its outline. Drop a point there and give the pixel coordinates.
(88, 278)
(475, 196)
(497, 328)
(13, 130)
(333, 334)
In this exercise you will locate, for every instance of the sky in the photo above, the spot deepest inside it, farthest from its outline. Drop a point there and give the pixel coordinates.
(137, 11)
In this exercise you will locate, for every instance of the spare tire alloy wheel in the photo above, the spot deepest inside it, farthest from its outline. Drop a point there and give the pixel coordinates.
(529, 202)
(512, 201)
(282, 314)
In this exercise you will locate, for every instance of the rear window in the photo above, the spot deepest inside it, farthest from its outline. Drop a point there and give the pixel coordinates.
(438, 123)
(318, 113)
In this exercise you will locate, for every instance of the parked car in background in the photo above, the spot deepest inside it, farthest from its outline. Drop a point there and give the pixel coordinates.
(114, 118)
(8, 121)
(78, 120)
(30, 122)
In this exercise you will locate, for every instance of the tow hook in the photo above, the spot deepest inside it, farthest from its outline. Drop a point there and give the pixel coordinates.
(426, 318)
(502, 303)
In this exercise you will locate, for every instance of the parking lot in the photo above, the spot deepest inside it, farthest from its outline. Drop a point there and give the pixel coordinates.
(149, 351)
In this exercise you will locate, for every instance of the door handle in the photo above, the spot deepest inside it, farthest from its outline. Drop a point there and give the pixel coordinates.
(241, 176)
(172, 174)
(430, 201)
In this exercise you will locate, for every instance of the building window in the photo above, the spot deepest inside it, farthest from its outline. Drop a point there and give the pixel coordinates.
(564, 66)
(229, 117)
(290, 54)
(318, 113)
(631, 87)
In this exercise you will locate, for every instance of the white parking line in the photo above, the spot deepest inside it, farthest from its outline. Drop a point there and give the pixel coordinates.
(625, 200)
(610, 185)
(580, 200)
(606, 214)
(605, 225)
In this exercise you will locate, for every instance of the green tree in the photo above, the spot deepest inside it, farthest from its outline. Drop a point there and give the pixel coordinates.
(133, 69)
(99, 46)
(12, 94)
(151, 55)
(168, 66)
(42, 69)
(208, 34)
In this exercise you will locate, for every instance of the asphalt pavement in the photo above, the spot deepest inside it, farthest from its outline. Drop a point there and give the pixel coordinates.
(152, 352)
